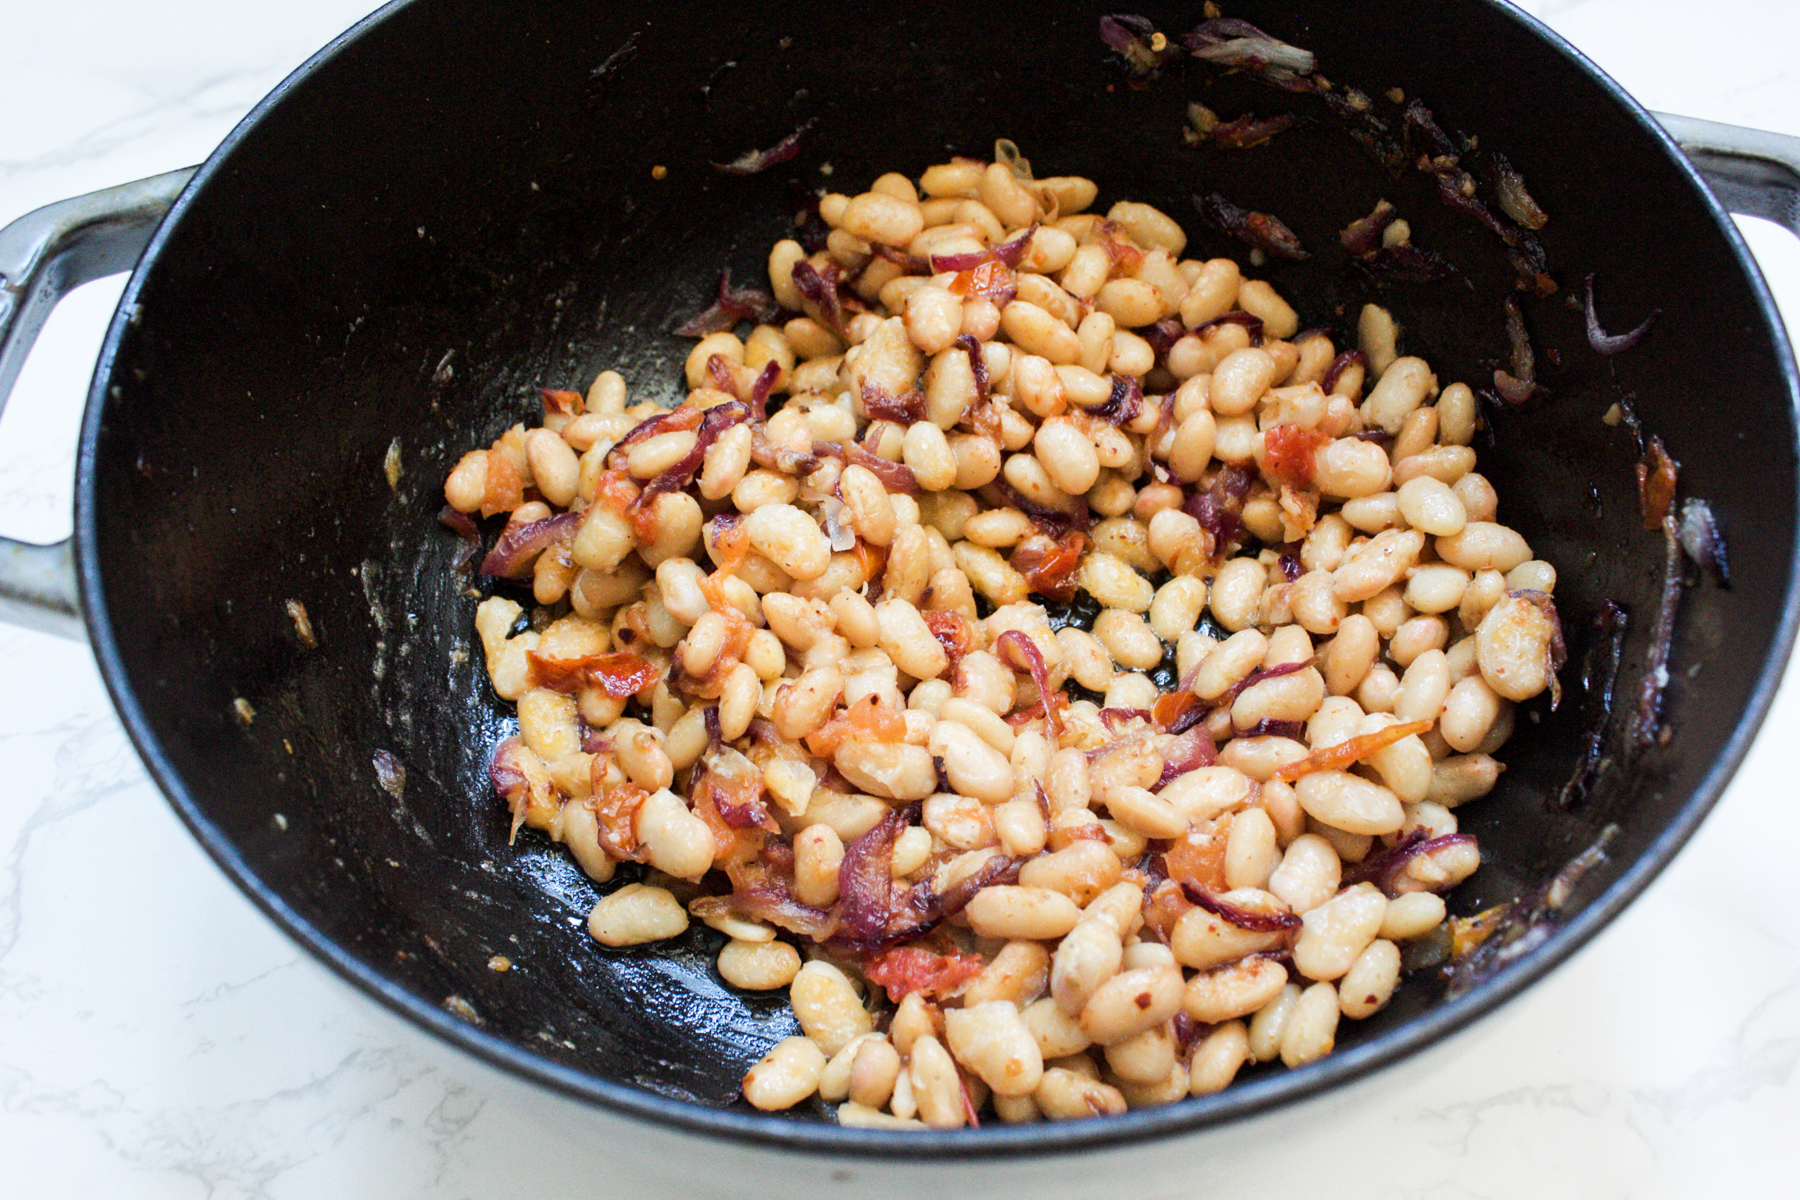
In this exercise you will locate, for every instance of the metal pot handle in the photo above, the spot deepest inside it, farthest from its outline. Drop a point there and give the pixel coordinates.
(44, 255)
(1751, 171)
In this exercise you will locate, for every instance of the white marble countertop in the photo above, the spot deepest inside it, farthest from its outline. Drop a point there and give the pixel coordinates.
(159, 1039)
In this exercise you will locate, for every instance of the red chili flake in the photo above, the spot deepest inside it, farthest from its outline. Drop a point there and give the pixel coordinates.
(1290, 453)
(1336, 758)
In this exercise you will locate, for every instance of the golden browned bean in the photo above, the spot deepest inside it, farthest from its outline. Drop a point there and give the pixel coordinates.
(1218, 1058)
(636, 914)
(1131, 1002)
(758, 966)
(788, 1074)
(1513, 646)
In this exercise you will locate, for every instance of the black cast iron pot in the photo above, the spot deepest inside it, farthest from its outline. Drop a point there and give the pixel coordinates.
(454, 203)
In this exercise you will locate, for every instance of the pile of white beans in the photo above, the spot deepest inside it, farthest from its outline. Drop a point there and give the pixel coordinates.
(1100, 987)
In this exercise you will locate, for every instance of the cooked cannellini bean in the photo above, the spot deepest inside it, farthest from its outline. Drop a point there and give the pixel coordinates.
(636, 914)
(788, 1074)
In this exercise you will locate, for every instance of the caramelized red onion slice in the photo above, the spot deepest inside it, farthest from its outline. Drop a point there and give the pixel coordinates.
(1230, 42)
(1057, 522)
(1599, 675)
(865, 880)
(1112, 718)
(769, 899)
(1515, 201)
(463, 526)
(1362, 236)
(821, 288)
(750, 162)
(1190, 751)
(1249, 130)
(1646, 720)
(1273, 727)
(1244, 918)
(1252, 325)
(896, 477)
(1384, 867)
(1012, 250)
(1407, 263)
(1136, 40)
(520, 544)
(1020, 653)
(1610, 344)
(970, 345)
(1256, 677)
(1340, 364)
(1124, 404)
(902, 410)
(1262, 230)
(683, 417)
(679, 474)
(1219, 509)
(729, 307)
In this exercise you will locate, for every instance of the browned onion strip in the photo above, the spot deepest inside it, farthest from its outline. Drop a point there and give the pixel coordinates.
(520, 544)
(1646, 721)
(1243, 918)
(865, 880)
(1262, 230)
(1609, 344)
(750, 162)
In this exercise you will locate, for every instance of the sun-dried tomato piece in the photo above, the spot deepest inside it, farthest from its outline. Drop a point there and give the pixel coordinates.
(866, 720)
(619, 673)
(1290, 453)
(903, 970)
(1050, 565)
(1198, 859)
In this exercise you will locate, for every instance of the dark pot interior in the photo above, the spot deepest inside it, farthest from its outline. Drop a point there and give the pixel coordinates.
(456, 206)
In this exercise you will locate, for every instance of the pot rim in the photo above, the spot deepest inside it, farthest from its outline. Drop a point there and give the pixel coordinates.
(1237, 1103)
